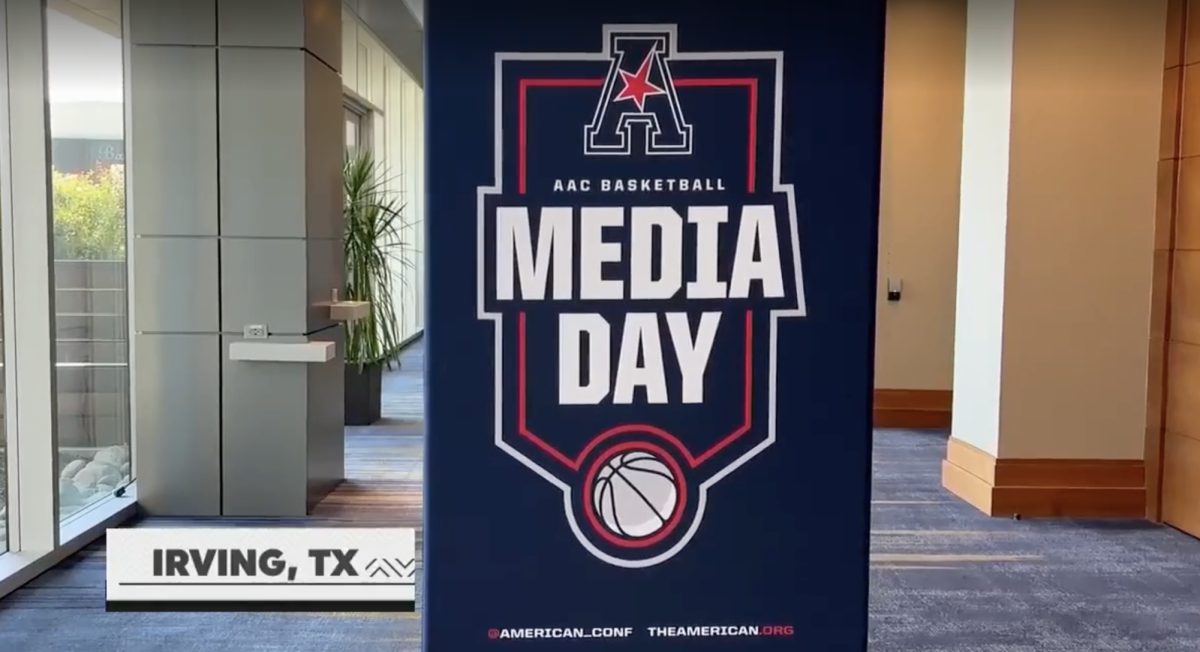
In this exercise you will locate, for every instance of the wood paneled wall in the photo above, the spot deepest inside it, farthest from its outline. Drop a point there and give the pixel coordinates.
(1173, 401)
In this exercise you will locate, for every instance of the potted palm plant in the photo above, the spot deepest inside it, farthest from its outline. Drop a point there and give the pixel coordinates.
(373, 217)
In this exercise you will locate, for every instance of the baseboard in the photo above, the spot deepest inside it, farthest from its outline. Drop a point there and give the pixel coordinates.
(912, 408)
(1043, 487)
(411, 339)
(19, 568)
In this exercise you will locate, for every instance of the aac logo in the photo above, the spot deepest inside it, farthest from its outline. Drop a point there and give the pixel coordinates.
(643, 95)
(635, 318)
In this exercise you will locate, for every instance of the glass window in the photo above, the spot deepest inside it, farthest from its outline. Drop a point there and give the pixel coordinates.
(353, 131)
(85, 79)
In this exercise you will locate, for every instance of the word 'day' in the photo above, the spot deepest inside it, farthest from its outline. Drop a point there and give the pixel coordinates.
(655, 258)
(635, 275)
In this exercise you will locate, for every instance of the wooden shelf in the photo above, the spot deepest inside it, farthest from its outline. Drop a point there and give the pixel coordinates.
(346, 311)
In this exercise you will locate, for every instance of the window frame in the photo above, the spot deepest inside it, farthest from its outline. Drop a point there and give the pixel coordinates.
(36, 538)
(351, 104)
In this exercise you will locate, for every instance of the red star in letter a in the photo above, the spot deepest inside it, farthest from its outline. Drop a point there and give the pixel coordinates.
(637, 85)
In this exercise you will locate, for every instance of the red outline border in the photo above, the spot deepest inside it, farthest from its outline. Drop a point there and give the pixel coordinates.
(732, 82)
(680, 489)
(692, 461)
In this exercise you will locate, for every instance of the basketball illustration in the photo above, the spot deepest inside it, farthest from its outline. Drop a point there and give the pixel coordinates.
(635, 494)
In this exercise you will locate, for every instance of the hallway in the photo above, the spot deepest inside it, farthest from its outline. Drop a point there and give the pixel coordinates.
(944, 578)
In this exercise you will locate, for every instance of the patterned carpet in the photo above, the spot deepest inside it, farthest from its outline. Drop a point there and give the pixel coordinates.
(947, 579)
(944, 578)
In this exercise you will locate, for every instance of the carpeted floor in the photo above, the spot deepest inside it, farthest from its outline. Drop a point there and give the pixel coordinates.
(947, 579)
(944, 578)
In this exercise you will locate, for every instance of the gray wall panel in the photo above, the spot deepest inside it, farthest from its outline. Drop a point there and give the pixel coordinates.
(326, 271)
(324, 144)
(326, 419)
(262, 142)
(178, 424)
(173, 140)
(261, 23)
(264, 282)
(176, 285)
(235, 167)
(172, 22)
(265, 436)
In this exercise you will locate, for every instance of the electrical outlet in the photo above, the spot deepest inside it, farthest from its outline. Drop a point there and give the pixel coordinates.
(255, 331)
(894, 287)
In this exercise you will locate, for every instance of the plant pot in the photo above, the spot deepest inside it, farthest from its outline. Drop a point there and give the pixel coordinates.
(364, 394)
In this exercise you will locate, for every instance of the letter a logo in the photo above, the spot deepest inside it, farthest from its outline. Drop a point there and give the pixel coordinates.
(639, 94)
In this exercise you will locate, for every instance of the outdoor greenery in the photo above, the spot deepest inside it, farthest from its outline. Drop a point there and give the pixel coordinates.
(89, 224)
(374, 221)
(89, 214)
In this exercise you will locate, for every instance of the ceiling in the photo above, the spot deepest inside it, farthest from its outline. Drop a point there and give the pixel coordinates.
(417, 7)
(398, 25)
(104, 15)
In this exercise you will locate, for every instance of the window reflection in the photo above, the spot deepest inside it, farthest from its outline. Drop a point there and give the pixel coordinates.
(353, 131)
(86, 90)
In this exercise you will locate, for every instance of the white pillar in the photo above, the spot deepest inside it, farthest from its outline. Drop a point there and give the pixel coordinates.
(1056, 241)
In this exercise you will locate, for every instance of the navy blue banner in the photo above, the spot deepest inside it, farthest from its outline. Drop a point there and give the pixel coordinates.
(651, 247)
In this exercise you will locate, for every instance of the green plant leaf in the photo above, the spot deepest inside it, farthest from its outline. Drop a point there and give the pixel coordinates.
(374, 222)
(89, 214)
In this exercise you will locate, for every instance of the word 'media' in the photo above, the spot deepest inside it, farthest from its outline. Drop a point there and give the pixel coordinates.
(574, 257)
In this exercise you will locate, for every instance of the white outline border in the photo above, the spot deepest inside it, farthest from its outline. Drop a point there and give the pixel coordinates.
(497, 318)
